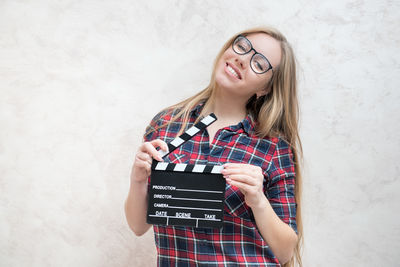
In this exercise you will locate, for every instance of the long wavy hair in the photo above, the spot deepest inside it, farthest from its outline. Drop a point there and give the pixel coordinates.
(276, 113)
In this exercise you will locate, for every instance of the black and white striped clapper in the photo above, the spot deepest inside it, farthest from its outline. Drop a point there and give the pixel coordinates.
(186, 194)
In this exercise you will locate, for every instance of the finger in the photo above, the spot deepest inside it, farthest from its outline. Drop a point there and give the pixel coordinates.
(148, 148)
(243, 179)
(241, 186)
(160, 143)
(144, 157)
(246, 169)
(147, 158)
(155, 143)
(243, 171)
(233, 166)
(144, 164)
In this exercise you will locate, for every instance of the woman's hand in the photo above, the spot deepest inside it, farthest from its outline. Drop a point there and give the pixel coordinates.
(141, 168)
(249, 179)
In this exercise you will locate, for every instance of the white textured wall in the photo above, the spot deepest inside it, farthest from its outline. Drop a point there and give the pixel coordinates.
(79, 81)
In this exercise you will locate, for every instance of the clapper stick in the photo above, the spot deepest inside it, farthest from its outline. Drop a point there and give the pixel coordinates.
(180, 140)
(183, 138)
(186, 194)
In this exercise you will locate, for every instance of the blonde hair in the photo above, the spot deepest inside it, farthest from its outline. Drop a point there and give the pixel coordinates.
(277, 113)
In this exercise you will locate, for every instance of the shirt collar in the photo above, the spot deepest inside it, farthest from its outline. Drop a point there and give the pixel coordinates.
(247, 124)
(197, 109)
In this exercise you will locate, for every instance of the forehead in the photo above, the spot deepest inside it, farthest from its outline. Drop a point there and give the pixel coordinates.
(266, 45)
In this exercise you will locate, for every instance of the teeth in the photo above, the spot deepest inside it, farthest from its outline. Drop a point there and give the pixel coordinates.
(233, 71)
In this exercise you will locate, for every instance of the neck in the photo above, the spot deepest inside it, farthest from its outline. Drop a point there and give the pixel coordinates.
(228, 108)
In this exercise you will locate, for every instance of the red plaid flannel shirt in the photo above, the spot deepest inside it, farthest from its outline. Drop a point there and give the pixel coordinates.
(238, 242)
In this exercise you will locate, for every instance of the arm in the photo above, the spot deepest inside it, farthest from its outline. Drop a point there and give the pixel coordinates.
(136, 202)
(280, 237)
(273, 206)
(136, 208)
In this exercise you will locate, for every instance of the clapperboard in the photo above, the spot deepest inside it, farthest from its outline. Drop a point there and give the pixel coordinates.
(186, 194)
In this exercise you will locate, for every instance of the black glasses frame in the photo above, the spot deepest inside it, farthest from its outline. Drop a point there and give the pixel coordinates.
(255, 53)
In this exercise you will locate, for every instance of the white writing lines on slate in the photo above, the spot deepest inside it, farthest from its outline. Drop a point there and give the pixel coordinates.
(173, 188)
(191, 208)
(204, 219)
(202, 191)
(195, 199)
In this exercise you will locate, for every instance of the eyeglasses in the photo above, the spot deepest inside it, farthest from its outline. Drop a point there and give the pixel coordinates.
(258, 62)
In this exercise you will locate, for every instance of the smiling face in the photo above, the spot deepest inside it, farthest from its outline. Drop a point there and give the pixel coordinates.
(234, 75)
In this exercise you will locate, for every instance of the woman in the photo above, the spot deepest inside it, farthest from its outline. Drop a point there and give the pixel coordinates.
(253, 94)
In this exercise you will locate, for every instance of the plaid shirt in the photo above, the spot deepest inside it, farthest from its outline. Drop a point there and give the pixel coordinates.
(238, 242)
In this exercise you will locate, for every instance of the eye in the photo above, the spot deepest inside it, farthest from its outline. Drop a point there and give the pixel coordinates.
(241, 45)
(241, 48)
(259, 66)
(259, 63)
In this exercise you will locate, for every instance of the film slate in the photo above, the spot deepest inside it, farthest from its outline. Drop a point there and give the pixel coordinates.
(186, 194)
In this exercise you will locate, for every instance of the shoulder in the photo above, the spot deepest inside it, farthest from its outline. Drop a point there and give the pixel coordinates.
(279, 144)
(270, 146)
(164, 116)
(161, 118)
(282, 158)
(282, 147)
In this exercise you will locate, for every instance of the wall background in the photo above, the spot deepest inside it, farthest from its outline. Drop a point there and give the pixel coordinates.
(80, 80)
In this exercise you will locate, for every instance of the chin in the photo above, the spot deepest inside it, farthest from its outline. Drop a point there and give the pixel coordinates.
(225, 87)
(222, 80)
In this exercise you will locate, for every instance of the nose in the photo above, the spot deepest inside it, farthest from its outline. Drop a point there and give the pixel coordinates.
(239, 62)
(243, 60)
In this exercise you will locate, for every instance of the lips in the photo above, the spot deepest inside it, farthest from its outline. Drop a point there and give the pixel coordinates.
(232, 69)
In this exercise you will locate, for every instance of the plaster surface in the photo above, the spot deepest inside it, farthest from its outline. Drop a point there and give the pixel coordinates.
(80, 80)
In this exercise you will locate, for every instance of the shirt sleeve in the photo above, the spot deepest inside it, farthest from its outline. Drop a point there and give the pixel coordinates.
(280, 189)
(151, 132)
